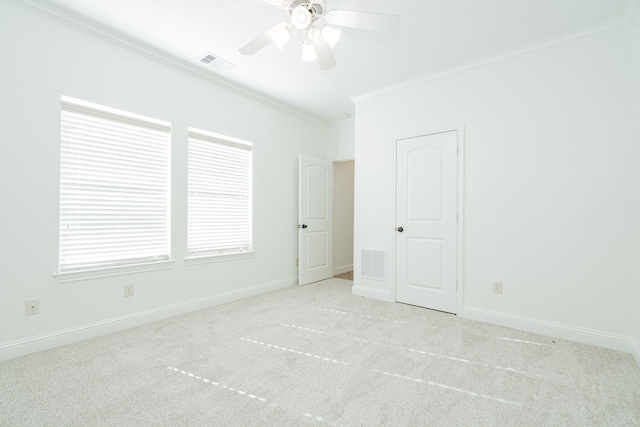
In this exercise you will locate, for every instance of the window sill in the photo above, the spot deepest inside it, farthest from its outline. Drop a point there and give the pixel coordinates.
(75, 276)
(205, 259)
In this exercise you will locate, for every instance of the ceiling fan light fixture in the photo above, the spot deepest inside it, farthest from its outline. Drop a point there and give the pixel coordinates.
(330, 16)
(316, 32)
(308, 52)
(281, 36)
(331, 35)
(301, 17)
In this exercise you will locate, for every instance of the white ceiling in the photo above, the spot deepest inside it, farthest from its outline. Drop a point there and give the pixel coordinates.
(433, 35)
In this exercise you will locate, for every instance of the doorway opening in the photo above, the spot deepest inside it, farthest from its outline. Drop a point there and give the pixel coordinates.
(343, 202)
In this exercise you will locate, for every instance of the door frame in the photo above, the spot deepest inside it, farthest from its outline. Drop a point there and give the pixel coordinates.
(460, 201)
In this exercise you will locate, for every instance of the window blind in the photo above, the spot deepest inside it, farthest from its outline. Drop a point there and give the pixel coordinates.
(219, 187)
(114, 177)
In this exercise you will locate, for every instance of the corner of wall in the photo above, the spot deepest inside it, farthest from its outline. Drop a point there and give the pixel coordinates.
(340, 140)
(633, 11)
(635, 351)
(636, 177)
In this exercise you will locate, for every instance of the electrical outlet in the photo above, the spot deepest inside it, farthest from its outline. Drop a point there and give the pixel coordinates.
(128, 290)
(497, 287)
(32, 307)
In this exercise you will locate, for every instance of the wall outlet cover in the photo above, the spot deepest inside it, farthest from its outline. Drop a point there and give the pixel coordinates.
(497, 287)
(32, 307)
(128, 290)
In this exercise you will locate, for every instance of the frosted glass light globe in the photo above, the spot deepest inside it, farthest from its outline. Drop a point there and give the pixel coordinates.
(300, 17)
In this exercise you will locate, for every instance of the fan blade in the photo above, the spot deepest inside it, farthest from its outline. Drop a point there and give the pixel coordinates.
(259, 42)
(325, 56)
(276, 3)
(363, 20)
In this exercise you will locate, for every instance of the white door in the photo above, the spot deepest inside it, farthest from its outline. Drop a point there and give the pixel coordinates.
(426, 215)
(315, 220)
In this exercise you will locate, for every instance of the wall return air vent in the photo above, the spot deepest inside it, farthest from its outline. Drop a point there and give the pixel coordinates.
(215, 61)
(374, 264)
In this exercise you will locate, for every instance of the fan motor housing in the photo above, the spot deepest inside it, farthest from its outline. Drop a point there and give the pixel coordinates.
(316, 9)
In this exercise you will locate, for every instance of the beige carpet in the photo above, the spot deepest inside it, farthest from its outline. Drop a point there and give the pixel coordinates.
(317, 355)
(347, 276)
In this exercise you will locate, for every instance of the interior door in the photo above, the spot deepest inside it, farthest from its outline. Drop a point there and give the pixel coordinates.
(426, 215)
(315, 220)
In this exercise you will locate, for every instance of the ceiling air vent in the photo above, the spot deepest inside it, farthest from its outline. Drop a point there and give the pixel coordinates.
(207, 58)
(216, 61)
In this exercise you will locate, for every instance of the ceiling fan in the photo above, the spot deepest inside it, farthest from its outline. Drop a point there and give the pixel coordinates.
(314, 25)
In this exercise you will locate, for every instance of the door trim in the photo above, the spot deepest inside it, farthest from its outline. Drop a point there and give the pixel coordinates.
(460, 202)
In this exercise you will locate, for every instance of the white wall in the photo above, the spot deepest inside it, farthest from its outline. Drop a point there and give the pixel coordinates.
(343, 178)
(548, 175)
(43, 60)
(636, 179)
(341, 140)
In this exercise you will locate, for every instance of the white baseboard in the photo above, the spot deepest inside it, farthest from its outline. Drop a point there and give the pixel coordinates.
(364, 291)
(342, 269)
(12, 349)
(559, 330)
(635, 346)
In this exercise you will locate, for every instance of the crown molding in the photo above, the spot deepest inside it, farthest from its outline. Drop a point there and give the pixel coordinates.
(92, 28)
(340, 121)
(627, 20)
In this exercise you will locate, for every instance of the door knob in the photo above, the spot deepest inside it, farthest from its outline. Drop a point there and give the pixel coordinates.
(400, 229)
(302, 226)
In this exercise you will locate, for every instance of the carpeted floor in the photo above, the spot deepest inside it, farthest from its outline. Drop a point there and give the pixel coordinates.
(317, 355)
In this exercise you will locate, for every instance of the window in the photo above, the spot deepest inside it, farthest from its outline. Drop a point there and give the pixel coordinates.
(114, 180)
(219, 186)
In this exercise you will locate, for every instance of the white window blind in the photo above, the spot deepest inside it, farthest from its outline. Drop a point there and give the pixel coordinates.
(219, 186)
(114, 177)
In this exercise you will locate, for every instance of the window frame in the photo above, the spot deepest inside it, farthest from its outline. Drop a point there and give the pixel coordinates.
(74, 146)
(198, 136)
